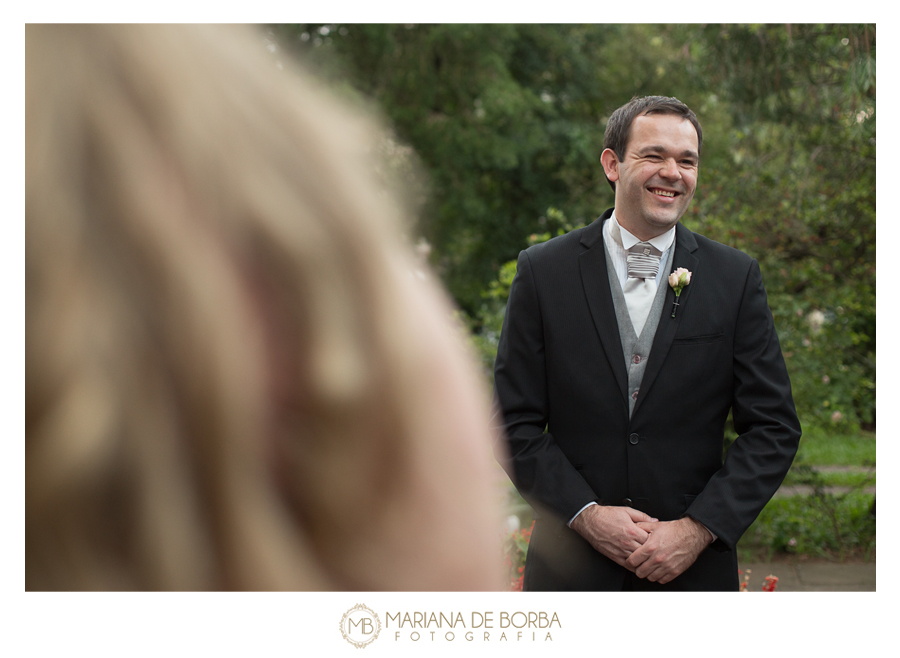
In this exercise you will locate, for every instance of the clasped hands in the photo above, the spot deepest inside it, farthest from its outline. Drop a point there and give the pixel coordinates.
(656, 550)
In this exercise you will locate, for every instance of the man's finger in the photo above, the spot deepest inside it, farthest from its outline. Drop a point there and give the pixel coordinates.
(637, 558)
(649, 570)
(648, 526)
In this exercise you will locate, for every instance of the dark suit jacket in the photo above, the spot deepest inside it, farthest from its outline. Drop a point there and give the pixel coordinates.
(560, 383)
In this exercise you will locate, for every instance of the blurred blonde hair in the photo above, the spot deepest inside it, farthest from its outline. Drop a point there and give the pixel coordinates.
(232, 379)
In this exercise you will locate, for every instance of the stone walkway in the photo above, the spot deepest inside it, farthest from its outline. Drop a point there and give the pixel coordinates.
(813, 577)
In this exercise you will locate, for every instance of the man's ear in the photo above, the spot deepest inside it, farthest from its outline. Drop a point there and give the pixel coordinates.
(610, 162)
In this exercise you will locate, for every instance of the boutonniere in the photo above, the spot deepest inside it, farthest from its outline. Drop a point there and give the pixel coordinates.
(678, 280)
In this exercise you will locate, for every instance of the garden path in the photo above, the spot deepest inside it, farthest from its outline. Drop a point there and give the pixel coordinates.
(812, 577)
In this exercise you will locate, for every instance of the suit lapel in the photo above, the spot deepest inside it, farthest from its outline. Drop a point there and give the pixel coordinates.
(595, 278)
(685, 246)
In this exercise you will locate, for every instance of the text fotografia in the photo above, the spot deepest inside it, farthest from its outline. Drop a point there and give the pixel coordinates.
(480, 626)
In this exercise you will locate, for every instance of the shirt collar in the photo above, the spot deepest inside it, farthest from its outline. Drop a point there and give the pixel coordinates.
(627, 240)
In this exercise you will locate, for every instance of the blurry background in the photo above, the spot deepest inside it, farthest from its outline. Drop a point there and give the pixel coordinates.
(496, 133)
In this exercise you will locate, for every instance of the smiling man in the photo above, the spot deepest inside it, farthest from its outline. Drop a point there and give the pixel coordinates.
(656, 175)
(614, 398)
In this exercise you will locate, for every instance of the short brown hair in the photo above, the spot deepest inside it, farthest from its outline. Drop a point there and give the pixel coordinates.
(618, 128)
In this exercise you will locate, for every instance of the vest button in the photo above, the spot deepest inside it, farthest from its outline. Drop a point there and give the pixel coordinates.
(636, 358)
(634, 395)
(633, 439)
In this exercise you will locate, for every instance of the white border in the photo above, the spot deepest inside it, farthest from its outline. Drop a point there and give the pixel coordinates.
(305, 623)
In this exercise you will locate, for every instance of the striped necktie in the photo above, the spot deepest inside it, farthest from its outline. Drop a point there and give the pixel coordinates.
(640, 287)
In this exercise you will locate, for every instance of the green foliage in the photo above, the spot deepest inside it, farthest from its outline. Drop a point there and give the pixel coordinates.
(507, 122)
(834, 527)
(796, 190)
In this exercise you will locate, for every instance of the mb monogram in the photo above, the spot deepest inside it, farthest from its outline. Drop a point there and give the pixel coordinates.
(360, 626)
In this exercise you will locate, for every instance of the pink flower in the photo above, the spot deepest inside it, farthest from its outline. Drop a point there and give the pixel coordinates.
(836, 417)
(679, 279)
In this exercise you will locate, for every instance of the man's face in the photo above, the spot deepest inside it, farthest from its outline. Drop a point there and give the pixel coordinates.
(655, 182)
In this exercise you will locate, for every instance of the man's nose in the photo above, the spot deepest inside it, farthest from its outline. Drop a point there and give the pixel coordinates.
(670, 169)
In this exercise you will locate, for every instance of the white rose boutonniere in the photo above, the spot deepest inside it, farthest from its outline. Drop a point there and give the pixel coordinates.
(678, 280)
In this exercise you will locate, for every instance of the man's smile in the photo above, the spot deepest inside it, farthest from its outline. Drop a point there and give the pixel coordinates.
(664, 193)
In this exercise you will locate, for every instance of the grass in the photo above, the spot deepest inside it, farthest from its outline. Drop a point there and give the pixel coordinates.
(822, 448)
(838, 479)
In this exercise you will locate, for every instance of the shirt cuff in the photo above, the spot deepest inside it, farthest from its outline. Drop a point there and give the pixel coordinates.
(579, 512)
(711, 533)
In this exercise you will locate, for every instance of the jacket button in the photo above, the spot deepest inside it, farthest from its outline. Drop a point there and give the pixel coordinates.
(633, 439)
(626, 501)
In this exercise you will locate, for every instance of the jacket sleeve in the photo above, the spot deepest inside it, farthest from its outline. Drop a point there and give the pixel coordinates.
(764, 418)
(534, 461)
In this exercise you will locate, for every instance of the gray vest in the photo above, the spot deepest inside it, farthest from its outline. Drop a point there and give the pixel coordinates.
(637, 348)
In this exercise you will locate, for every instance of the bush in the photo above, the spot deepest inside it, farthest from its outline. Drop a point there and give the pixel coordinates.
(819, 525)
